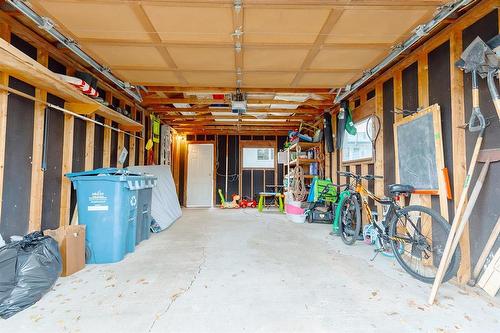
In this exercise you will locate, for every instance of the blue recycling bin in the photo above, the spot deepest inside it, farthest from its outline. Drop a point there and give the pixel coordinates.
(107, 205)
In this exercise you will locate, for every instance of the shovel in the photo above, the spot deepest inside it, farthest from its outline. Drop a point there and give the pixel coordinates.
(486, 156)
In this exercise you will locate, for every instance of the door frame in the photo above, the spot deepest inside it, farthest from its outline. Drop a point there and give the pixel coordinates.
(214, 173)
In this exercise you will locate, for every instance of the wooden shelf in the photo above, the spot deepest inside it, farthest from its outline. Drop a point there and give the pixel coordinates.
(305, 145)
(21, 66)
(304, 161)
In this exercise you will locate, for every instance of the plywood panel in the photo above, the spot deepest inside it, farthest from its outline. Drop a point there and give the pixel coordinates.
(121, 55)
(203, 58)
(192, 24)
(374, 26)
(276, 25)
(97, 20)
(148, 77)
(331, 80)
(267, 79)
(220, 79)
(348, 58)
(273, 59)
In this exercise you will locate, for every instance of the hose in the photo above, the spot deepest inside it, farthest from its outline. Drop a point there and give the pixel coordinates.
(299, 190)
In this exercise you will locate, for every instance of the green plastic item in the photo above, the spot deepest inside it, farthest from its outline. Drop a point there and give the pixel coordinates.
(345, 194)
(222, 200)
(319, 186)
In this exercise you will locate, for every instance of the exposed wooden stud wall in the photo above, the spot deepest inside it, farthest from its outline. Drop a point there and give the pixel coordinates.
(35, 220)
(89, 144)
(44, 49)
(453, 34)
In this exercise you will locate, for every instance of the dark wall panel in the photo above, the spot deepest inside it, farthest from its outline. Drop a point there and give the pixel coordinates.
(98, 143)
(246, 184)
(233, 152)
(220, 165)
(79, 135)
(182, 172)
(371, 185)
(487, 209)
(388, 121)
(23, 46)
(17, 170)
(440, 93)
(137, 151)
(114, 146)
(258, 182)
(410, 87)
(52, 176)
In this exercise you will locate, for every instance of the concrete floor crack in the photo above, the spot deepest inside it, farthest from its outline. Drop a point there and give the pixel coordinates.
(179, 294)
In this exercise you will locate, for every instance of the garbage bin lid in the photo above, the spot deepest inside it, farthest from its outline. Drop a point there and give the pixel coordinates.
(103, 171)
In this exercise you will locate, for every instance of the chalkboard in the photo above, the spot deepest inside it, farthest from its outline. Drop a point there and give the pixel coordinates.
(416, 155)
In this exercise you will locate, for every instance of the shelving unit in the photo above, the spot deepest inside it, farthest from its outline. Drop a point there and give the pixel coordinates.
(21, 66)
(291, 164)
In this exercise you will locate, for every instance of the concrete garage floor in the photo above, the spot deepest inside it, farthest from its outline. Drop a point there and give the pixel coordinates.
(238, 270)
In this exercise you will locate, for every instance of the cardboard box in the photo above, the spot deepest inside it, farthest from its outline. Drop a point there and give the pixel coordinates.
(71, 241)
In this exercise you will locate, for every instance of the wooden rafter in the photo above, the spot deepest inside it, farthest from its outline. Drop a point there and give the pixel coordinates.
(159, 101)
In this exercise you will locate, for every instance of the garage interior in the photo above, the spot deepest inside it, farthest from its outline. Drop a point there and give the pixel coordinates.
(247, 107)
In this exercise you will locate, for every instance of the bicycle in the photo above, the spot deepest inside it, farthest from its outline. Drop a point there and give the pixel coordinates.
(415, 235)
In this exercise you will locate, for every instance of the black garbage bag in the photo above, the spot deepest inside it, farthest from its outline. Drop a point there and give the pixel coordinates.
(28, 269)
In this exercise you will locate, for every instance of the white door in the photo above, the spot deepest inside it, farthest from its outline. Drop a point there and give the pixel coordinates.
(200, 175)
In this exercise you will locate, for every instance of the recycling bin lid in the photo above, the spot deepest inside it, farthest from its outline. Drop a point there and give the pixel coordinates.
(103, 172)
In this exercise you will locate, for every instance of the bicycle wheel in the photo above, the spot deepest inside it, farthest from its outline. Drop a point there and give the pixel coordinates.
(423, 232)
(350, 220)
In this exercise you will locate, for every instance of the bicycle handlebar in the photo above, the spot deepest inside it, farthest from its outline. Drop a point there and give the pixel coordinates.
(367, 177)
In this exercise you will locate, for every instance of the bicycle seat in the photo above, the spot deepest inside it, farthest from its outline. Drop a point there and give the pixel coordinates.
(397, 189)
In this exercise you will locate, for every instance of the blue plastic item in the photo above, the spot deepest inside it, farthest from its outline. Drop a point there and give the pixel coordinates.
(107, 205)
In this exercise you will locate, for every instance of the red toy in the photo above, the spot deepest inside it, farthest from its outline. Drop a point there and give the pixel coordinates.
(244, 203)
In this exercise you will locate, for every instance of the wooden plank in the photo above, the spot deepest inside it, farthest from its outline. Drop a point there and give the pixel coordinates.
(4, 80)
(459, 147)
(158, 101)
(106, 151)
(67, 163)
(35, 217)
(379, 144)
(89, 144)
(423, 81)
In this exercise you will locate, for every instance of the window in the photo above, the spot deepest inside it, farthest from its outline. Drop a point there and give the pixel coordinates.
(258, 158)
(357, 147)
